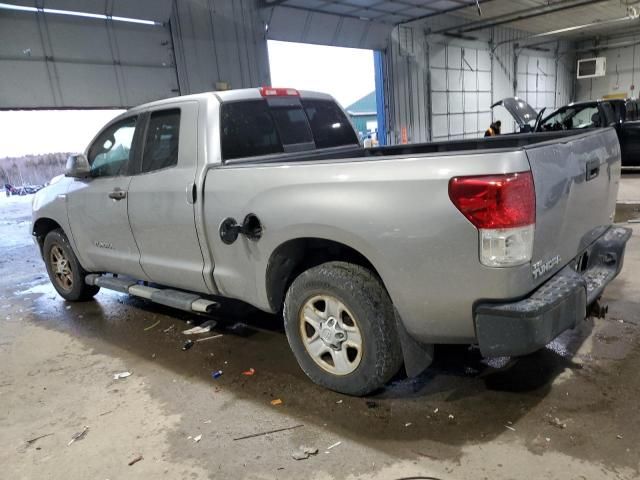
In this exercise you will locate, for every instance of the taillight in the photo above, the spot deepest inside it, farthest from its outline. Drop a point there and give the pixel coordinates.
(503, 209)
(278, 92)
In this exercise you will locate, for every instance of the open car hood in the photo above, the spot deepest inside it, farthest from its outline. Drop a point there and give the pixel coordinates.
(521, 111)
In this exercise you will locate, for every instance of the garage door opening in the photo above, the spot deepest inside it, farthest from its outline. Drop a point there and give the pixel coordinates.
(348, 74)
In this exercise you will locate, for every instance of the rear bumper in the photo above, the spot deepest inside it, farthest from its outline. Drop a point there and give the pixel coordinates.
(522, 327)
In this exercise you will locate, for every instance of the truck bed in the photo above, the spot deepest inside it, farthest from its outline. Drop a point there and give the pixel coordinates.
(502, 142)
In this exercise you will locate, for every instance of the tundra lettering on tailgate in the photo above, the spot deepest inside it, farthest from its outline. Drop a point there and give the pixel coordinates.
(540, 267)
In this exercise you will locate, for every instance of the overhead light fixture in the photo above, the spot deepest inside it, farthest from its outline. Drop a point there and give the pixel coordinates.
(597, 23)
(72, 13)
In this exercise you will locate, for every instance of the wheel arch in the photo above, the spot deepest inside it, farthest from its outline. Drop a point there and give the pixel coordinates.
(41, 227)
(294, 256)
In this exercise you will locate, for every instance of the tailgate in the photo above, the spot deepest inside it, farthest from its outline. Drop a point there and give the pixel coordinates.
(576, 182)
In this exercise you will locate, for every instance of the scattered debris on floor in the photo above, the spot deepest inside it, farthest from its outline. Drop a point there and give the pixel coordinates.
(118, 376)
(152, 326)
(337, 444)
(135, 460)
(302, 453)
(260, 434)
(78, 436)
(556, 422)
(205, 327)
(619, 437)
(187, 345)
(510, 428)
(197, 438)
(209, 338)
(451, 417)
(408, 424)
(34, 440)
(339, 402)
(277, 401)
(168, 329)
(436, 410)
(249, 373)
(217, 374)
(207, 422)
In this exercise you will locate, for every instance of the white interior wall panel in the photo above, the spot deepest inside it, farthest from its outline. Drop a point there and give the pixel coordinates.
(460, 91)
(537, 80)
(466, 76)
(623, 68)
(219, 41)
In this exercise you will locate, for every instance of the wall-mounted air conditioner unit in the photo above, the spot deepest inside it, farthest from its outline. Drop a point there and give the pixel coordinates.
(592, 67)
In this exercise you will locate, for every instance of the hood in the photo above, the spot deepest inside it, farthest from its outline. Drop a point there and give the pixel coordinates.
(521, 111)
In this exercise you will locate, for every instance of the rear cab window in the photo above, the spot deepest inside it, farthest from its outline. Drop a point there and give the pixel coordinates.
(252, 128)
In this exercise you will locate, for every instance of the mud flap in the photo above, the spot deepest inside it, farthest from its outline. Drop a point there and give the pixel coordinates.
(417, 356)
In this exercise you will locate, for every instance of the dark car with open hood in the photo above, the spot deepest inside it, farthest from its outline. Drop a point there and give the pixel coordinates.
(623, 115)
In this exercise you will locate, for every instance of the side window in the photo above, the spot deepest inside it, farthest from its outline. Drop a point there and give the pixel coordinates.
(247, 130)
(161, 143)
(110, 154)
(329, 125)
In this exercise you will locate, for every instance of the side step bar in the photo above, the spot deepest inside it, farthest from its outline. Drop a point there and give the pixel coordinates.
(189, 302)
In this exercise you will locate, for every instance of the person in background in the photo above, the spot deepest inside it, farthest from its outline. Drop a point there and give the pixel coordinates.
(494, 129)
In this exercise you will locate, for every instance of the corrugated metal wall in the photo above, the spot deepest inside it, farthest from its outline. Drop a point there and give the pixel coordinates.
(623, 67)
(407, 96)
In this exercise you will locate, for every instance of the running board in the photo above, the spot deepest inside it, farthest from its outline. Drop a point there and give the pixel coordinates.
(189, 302)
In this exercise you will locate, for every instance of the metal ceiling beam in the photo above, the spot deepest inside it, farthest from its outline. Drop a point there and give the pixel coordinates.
(518, 15)
(447, 11)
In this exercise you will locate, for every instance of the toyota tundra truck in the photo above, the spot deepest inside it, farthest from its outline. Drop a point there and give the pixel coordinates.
(371, 256)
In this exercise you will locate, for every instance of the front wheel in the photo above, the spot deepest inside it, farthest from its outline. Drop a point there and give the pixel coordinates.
(64, 269)
(340, 323)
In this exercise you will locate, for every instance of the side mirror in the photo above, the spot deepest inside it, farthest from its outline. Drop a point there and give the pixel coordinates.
(77, 166)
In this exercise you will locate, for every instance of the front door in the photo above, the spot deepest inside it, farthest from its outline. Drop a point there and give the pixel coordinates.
(97, 205)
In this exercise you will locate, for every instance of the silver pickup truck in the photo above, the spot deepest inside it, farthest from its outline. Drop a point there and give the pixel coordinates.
(372, 256)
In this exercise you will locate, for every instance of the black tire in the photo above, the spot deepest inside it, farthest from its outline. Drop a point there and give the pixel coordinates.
(70, 285)
(363, 295)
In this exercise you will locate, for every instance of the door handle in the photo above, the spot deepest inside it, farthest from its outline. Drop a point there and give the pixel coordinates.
(593, 169)
(118, 194)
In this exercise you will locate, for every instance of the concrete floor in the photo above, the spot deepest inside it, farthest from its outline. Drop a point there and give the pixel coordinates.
(462, 419)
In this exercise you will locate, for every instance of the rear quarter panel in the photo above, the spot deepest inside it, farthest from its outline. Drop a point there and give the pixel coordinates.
(395, 211)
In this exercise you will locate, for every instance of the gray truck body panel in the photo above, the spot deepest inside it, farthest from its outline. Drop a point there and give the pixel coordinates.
(394, 210)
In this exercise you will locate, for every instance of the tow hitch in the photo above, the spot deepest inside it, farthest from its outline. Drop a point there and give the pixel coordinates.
(597, 309)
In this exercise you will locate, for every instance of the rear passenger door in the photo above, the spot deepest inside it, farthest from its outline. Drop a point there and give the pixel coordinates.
(162, 198)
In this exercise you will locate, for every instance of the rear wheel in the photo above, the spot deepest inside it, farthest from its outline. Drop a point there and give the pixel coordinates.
(340, 323)
(64, 269)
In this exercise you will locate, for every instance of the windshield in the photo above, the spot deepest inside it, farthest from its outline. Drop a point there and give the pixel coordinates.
(572, 117)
